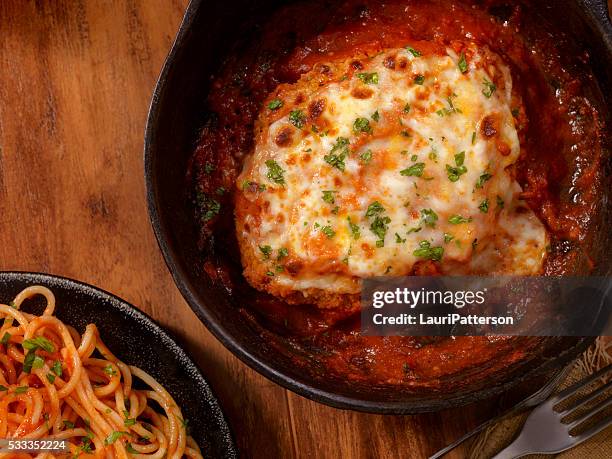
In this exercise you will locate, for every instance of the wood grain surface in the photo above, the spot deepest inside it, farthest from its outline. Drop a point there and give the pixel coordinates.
(76, 79)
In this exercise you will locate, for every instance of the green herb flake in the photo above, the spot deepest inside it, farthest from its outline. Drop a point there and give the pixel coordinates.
(130, 449)
(473, 137)
(368, 78)
(428, 252)
(328, 196)
(113, 437)
(448, 237)
(500, 202)
(109, 370)
(407, 108)
(57, 368)
(338, 153)
(3, 388)
(362, 125)
(282, 253)
(275, 104)
(413, 51)
(429, 217)
(68, 424)
(516, 112)
(416, 170)
(463, 65)
(484, 206)
(39, 342)
(5, 339)
(413, 158)
(489, 88)
(455, 172)
(21, 389)
(297, 118)
(51, 377)
(209, 168)
(328, 231)
(374, 209)
(379, 227)
(398, 239)
(354, 228)
(275, 172)
(484, 178)
(375, 116)
(419, 79)
(366, 157)
(458, 219)
(266, 250)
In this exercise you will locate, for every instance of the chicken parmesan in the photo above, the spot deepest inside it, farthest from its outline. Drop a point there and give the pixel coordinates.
(388, 164)
(358, 138)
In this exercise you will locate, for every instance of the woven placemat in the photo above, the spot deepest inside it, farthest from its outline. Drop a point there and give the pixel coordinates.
(498, 436)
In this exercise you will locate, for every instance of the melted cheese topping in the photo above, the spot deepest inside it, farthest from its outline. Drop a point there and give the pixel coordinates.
(367, 167)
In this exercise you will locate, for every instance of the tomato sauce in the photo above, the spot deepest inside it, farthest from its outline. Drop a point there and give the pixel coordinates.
(559, 168)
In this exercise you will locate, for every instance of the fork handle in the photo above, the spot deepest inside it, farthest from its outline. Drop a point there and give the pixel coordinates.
(512, 451)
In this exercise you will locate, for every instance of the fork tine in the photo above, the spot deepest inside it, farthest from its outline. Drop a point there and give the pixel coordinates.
(601, 425)
(589, 414)
(579, 385)
(592, 396)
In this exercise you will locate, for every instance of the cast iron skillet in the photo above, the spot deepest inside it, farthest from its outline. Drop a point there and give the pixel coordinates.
(175, 119)
(137, 340)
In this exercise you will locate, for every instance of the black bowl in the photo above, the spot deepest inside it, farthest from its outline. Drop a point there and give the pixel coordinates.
(175, 119)
(137, 340)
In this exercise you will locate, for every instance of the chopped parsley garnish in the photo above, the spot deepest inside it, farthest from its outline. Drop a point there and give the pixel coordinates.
(413, 51)
(21, 389)
(485, 177)
(366, 157)
(113, 437)
(429, 217)
(39, 342)
(374, 209)
(208, 168)
(448, 237)
(451, 107)
(275, 104)
(379, 227)
(5, 339)
(484, 206)
(297, 118)
(489, 88)
(458, 219)
(473, 137)
(28, 361)
(416, 170)
(266, 250)
(128, 422)
(368, 78)
(282, 253)
(68, 424)
(328, 231)
(339, 151)
(416, 229)
(3, 388)
(275, 172)
(413, 158)
(328, 196)
(428, 252)
(375, 116)
(51, 377)
(270, 273)
(362, 125)
(399, 239)
(516, 112)
(459, 169)
(208, 207)
(419, 79)
(463, 65)
(500, 202)
(354, 228)
(57, 368)
(407, 108)
(109, 370)
(130, 449)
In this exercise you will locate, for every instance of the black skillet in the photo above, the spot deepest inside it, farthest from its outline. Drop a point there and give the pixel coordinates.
(137, 340)
(175, 118)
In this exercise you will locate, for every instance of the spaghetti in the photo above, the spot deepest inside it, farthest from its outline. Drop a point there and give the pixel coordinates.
(54, 385)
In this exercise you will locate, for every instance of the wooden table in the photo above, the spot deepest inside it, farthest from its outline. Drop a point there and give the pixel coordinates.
(76, 78)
